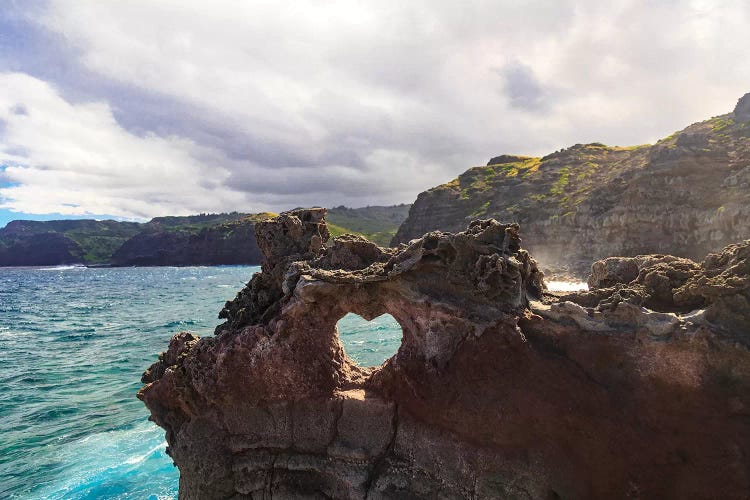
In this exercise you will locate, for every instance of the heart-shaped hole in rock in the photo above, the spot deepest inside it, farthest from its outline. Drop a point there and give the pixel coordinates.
(369, 343)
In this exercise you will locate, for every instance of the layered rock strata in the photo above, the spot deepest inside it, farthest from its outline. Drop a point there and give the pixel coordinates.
(498, 390)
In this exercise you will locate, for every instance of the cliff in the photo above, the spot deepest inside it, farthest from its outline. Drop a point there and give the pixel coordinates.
(498, 390)
(196, 240)
(42, 249)
(688, 194)
(174, 241)
(43, 243)
(205, 239)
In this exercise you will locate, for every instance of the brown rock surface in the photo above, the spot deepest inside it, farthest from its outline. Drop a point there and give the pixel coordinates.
(719, 287)
(497, 391)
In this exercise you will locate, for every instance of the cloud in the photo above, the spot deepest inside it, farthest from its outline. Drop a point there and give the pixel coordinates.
(522, 88)
(76, 160)
(261, 105)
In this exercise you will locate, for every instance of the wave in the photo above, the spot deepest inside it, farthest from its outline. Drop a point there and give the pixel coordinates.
(62, 267)
(121, 463)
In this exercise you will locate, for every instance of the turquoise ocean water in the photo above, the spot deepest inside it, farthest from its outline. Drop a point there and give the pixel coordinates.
(73, 344)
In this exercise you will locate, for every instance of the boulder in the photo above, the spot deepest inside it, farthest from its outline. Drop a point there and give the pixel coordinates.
(613, 270)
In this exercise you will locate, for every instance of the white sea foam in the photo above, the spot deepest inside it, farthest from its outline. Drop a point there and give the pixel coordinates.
(142, 458)
(128, 454)
(62, 268)
(567, 286)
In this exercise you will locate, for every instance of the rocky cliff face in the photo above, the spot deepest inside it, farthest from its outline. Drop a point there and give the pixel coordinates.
(499, 390)
(687, 195)
(43, 249)
(230, 243)
(43, 243)
(205, 239)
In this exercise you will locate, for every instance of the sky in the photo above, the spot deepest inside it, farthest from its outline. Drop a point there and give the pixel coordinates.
(141, 108)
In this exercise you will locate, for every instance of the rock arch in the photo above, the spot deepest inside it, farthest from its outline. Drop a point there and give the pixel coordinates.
(279, 345)
(489, 395)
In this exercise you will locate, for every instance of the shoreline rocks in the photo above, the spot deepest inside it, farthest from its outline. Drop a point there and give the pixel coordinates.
(499, 389)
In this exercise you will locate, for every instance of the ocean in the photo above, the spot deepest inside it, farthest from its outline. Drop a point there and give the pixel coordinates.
(73, 344)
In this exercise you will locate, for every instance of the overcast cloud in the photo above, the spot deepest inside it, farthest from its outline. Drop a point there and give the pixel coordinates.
(145, 108)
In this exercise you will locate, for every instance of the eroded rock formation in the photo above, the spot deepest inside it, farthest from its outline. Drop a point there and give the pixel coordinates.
(716, 291)
(499, 390)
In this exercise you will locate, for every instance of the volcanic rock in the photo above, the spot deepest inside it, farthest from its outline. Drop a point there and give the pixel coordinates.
(498, 390)
(612, 270)
(504, 159)
(719, 286)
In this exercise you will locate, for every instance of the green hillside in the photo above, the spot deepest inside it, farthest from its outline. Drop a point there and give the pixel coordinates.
(686, 195)
(171, 240)
(97, 239)
(378, 223)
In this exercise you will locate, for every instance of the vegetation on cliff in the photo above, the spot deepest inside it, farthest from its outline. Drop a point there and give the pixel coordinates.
(377, 223)
(203, 239)
(215, 239)
(688, 194)
(24, 242)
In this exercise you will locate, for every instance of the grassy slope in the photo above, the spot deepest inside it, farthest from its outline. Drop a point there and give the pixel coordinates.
(556, 183)
(377, 223)
(194, 224)
(560, 182)
(197, 222)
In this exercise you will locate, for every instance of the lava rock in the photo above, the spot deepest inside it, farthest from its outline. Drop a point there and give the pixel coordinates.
(498, 390)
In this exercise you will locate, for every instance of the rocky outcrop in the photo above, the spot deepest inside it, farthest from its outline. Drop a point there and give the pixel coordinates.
(742, 110)
(498, 390)
(506, 159)
(686, 195)
(717, 290)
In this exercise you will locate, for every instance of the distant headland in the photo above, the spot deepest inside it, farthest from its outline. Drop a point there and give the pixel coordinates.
(205, 239)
